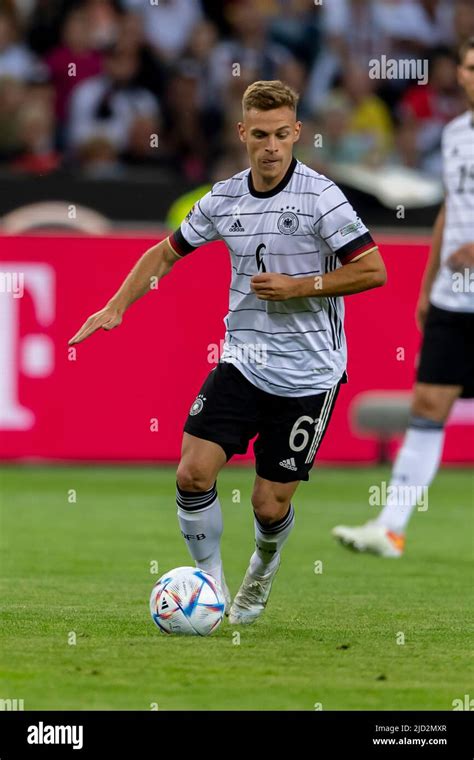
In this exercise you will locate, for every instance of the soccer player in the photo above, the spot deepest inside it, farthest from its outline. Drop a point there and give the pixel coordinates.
(296, 246)
(445, 314)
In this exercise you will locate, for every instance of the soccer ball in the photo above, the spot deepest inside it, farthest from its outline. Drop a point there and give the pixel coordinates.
(187, 601)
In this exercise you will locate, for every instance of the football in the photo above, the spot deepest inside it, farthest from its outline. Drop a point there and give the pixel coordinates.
(188, 602)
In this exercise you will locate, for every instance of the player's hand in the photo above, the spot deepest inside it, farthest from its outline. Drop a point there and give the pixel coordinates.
(270, 286)
(422, 310)
(462, 258)
(107, 318)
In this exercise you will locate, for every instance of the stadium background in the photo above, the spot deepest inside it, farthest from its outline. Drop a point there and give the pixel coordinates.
(115, 116)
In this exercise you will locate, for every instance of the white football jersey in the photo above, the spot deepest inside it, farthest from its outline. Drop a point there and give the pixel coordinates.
(454, 291)
(304, 226)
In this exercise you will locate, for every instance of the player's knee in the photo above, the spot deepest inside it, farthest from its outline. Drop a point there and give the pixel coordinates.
(427, 405)
(268, 507)
(192, 477)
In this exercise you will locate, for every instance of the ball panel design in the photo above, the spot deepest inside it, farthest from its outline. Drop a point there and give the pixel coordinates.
(187, 601)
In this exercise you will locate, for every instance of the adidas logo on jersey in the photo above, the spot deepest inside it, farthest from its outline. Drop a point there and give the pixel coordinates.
(237, 227)
(290, 464)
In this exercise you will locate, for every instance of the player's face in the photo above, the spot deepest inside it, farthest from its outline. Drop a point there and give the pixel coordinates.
(269, 137)
(466, 76)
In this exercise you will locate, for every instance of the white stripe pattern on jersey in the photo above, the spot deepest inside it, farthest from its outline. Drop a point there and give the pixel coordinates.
(450, 291)
(322, 423)
(303, 228)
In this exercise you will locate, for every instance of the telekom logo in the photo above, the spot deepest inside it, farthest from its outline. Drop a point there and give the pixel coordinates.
(31, 355)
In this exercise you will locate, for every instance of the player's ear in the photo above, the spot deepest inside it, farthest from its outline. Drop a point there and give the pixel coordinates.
(242, 131)
(298, 126)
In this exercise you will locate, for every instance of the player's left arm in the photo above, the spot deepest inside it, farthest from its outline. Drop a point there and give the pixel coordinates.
(336, 226)
(360, 274)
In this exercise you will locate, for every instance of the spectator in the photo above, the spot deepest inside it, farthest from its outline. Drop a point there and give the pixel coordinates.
(36, 139)
(191, 130)
(340, 143)
(103, 17)
(44, 24)
(23, 8)
(107, 105)
(147, 152)
(369, 116)
(126, 70)
(351, 29)
(426, 109)
(216, 13)
(463, 20)
(250, 49)
(98, 159)
(12, 97)
(168, 24)
(16, 60)
(297, 28)
(199, 51)
(152, 74)
(73, 60)
(417, 25)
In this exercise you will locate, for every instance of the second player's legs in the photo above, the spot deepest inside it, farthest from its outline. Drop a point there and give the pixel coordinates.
(434, 402)
(418, 460)
(416, 465)
(445, 372)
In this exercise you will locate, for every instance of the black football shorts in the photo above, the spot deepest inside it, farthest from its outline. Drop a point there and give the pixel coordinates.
(447, 351)
(230, 411)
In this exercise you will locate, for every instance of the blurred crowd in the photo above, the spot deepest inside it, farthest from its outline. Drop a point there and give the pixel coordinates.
(105, 88)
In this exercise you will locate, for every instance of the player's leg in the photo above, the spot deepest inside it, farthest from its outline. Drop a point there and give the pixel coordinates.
(199, 509)
(274, 519)
(445, 372)
(219, 424)
(291, 433)
(420, 455)
(416, 465)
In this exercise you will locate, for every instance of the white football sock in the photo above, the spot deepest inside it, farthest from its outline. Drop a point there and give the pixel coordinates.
(269, 541)
(200, 519)
(415, 467)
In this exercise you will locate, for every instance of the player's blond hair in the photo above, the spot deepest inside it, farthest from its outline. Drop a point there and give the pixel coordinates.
(266, 95)
(464, 48)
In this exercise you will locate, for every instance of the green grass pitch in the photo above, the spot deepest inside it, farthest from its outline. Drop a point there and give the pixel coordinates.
(82, 570)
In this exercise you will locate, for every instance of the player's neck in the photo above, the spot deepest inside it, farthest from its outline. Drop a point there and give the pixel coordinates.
(263, 184)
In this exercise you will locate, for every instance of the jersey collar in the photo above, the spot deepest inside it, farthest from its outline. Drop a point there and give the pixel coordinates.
(281, 185)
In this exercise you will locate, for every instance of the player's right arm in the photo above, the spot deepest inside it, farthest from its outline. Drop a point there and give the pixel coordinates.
(153, 265)
(431, 269)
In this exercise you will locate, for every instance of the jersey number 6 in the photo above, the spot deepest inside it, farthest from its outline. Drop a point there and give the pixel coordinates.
(296, 431)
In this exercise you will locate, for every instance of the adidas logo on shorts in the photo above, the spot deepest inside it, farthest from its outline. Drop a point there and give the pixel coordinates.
(290, 464)
(237, 227)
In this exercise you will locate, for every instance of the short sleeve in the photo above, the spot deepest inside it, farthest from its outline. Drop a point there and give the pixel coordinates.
(196, 229)
(338, 225)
